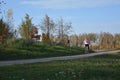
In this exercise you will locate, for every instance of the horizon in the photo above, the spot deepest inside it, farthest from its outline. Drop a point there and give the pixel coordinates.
(86, 16)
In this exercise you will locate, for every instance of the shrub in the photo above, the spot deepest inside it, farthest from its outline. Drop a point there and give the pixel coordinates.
(18, 43)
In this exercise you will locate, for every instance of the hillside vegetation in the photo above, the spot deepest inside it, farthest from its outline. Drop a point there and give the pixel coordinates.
(22, 49)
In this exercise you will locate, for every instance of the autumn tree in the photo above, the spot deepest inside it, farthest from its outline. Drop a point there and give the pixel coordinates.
(48, 27)
(92, 37)
(52, 29)
(9, 21)
(4, 31)
(106, 40)
(26, 27)
(9, 16)
(74, 40)
(117, 40)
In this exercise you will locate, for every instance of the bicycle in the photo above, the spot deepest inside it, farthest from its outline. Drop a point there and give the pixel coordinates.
(86, 50)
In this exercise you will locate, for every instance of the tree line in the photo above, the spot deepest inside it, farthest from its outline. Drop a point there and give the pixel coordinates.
(50, 30)
(103, 40)
(54, 32)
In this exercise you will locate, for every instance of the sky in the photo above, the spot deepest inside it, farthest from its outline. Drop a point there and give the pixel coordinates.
(86, 16)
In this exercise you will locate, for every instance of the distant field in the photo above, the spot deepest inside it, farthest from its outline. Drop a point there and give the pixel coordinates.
(103, 67)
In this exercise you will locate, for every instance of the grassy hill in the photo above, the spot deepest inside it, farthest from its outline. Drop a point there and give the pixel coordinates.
(19, 50)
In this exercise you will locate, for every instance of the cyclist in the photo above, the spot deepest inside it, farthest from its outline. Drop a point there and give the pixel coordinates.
(86, 43)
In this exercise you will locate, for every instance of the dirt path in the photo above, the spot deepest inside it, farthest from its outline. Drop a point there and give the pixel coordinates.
(26, 61)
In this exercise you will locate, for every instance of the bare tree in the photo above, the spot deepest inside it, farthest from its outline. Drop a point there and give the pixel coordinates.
(2, 2)
(48, 27)
(63, 29)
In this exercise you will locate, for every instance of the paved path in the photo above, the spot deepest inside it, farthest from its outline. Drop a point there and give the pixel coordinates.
(25, 61)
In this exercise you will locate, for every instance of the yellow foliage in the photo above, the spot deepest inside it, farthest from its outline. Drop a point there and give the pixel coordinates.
(45, 37)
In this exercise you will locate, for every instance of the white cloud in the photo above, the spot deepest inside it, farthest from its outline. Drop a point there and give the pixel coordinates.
(64, 4)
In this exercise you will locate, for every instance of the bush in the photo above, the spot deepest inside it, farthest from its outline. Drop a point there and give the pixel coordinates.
(18, 43)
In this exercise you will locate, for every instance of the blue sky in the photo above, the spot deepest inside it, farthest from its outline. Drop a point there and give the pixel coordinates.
(86, 16)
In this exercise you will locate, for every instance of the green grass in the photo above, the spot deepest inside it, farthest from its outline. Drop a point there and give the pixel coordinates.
(38, 50)
(103, 67)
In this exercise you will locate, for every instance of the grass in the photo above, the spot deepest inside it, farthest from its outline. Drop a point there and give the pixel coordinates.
(38, 50)
(103, 67)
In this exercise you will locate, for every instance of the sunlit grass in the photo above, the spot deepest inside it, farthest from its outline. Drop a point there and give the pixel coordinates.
(103, 67)
(39, 50)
